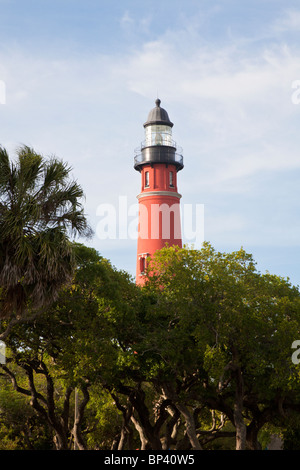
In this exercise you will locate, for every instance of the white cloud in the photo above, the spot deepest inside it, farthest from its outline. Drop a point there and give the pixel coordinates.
(135, 25)
(288, 22)
(126, 20)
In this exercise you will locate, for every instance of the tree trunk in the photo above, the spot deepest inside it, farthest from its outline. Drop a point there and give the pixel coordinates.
(241, 430)
(137, 400)
(252, 442)
(79, 413)
(188, 417)
(60, 441)
(143, 438)
(171, 428)
(190, 426)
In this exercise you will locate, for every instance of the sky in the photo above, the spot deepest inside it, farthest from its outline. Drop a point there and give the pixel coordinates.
(79, 77)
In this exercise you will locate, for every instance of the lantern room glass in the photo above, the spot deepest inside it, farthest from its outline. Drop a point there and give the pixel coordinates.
(158, 134)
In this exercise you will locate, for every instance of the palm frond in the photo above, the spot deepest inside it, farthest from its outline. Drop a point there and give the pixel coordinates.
(40, 206)
(4, 169)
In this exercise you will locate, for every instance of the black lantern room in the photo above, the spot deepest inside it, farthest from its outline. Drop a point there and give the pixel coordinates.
(158, 146)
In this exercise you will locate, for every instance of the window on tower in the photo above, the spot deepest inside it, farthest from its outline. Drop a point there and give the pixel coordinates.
(142, 265)
(171, 179)
(146, 179)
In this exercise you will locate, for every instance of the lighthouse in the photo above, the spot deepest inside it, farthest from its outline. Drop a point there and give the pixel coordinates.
(158, 160)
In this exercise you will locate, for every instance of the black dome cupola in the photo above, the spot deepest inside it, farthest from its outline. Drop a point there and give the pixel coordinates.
(158, 115)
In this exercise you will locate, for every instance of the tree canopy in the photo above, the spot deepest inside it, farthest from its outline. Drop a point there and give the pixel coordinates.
(199, 358)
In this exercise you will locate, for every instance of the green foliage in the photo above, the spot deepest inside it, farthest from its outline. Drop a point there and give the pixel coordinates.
(105, 419)
(39, 207)
(291, 435)
(20, 428)
(144, 353)
(219, 301)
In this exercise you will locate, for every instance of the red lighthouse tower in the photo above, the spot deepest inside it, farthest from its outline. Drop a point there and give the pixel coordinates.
(158, 160)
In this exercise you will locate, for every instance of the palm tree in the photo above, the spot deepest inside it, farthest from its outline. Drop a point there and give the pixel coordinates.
(40, 207)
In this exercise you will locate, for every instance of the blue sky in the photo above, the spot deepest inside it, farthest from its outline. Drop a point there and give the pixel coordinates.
(81, 76)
